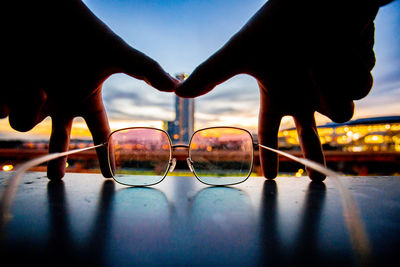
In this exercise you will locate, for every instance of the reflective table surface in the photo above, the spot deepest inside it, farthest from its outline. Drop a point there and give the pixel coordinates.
(89, 220)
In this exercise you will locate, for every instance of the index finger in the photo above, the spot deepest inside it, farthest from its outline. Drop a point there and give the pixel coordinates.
(138, 65)
(224, 64)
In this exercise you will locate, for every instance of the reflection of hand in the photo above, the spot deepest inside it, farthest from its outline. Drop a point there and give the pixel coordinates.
(61, 58)
(307, 56)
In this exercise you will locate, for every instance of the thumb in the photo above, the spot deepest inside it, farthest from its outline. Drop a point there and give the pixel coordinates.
(140, 66)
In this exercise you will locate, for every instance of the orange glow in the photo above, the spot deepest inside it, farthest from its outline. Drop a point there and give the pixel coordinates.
(395, 127)
(340, 130)
(165, 147)
(293, 141)
(218, 132)
(325, 131)
(374, 139)
(194, 146)
(342, 139)
(43, 129)
(396, 140)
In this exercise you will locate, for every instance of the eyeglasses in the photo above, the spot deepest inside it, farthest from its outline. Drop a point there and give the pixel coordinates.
(143, 156)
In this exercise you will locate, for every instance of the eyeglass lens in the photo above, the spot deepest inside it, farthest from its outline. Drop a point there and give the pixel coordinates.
(221, 156)
(139, 156)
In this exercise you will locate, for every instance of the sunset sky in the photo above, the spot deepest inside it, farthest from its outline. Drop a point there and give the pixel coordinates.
(181, 34)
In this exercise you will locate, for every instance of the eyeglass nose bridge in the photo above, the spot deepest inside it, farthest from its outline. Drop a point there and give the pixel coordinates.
(188, 160)
(172, 165)
(190, 164)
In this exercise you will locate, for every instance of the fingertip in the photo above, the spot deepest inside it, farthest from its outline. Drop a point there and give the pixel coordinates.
(363, 85)
(163, 81)
(18, 124)
(198, 83)
(26, 111)
(22, 122)
(339, 112)
(56, 169)
(269, 160)
(221, 66)
(269, 164)
(315, 176)
(189, 89)
(172, 84)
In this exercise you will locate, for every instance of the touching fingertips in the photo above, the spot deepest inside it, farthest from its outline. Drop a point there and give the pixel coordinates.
(168, 83)
(191, 88)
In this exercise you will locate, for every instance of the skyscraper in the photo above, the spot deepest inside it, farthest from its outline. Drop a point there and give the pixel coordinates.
(181, 129)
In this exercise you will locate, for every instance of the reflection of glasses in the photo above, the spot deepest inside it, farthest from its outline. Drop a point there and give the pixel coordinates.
(142, 156)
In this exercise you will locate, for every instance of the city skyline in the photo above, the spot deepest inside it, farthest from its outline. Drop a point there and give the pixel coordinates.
(190, 31)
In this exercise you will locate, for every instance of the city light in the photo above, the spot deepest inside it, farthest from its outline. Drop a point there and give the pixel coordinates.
(299, 173)
(372, 134)
(7, 168)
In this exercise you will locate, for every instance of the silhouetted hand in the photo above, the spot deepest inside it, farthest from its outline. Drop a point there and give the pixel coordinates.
(307, 56)
(60, 54)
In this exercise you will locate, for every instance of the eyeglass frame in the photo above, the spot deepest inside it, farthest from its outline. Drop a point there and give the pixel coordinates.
(172, 161)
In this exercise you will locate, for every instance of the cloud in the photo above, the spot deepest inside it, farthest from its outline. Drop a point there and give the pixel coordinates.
(129, 99)
(241, 86)
(237, 97)
(387, 81)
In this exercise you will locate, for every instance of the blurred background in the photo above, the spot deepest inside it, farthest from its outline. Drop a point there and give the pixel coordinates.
(190, 31)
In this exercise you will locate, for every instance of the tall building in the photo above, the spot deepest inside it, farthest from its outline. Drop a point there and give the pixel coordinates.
(181, 129)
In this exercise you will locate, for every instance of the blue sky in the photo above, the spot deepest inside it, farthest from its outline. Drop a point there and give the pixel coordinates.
(181, 34)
